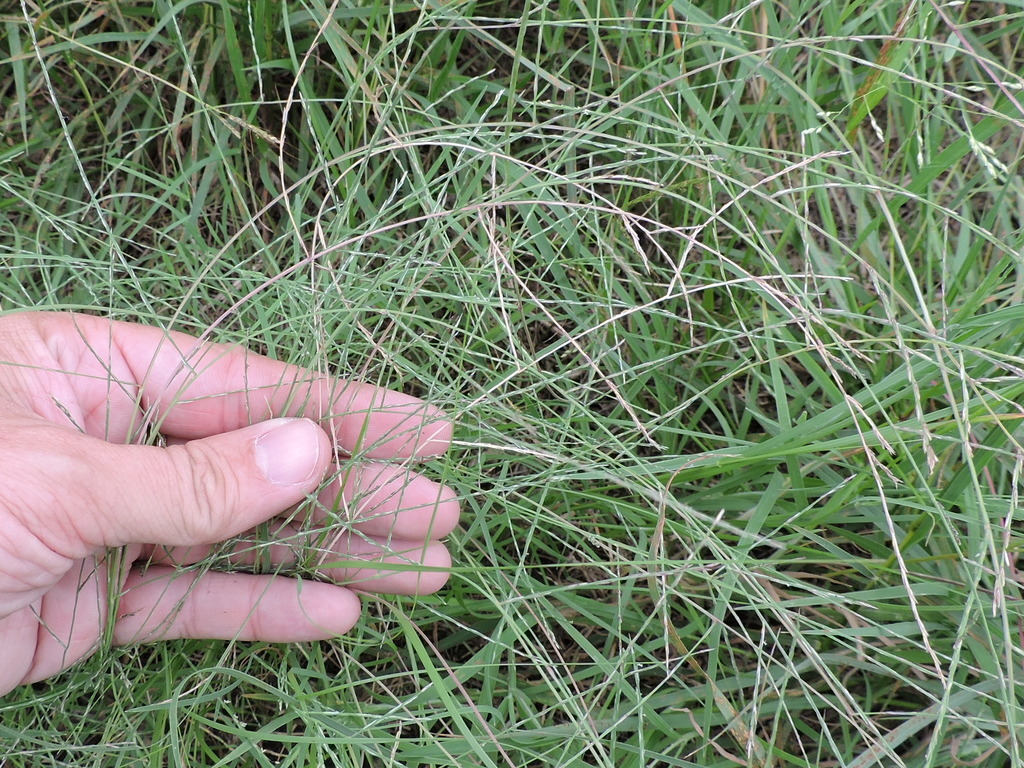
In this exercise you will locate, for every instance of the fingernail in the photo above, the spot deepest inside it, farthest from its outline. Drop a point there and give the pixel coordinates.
(289, 452)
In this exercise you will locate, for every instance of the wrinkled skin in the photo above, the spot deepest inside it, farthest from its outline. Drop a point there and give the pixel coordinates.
(84, 512)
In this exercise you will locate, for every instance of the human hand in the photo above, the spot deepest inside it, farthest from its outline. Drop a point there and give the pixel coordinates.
(76, 389)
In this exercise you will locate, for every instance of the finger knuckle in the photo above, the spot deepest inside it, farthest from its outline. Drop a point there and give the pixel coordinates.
(210, 493)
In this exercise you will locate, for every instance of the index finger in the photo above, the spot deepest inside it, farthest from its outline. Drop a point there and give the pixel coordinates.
(194, 389)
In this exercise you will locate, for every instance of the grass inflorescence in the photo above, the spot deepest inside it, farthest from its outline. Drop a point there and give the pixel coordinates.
(725, 298)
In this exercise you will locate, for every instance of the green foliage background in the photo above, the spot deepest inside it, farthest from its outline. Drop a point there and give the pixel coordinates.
(725, 299)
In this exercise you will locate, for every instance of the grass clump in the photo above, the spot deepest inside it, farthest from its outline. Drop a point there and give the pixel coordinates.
(725, 298)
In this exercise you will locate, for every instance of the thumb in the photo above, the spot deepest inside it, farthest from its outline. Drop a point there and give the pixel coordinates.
(206, 490)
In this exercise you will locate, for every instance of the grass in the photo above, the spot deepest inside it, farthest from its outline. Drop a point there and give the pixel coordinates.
(726, 299)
